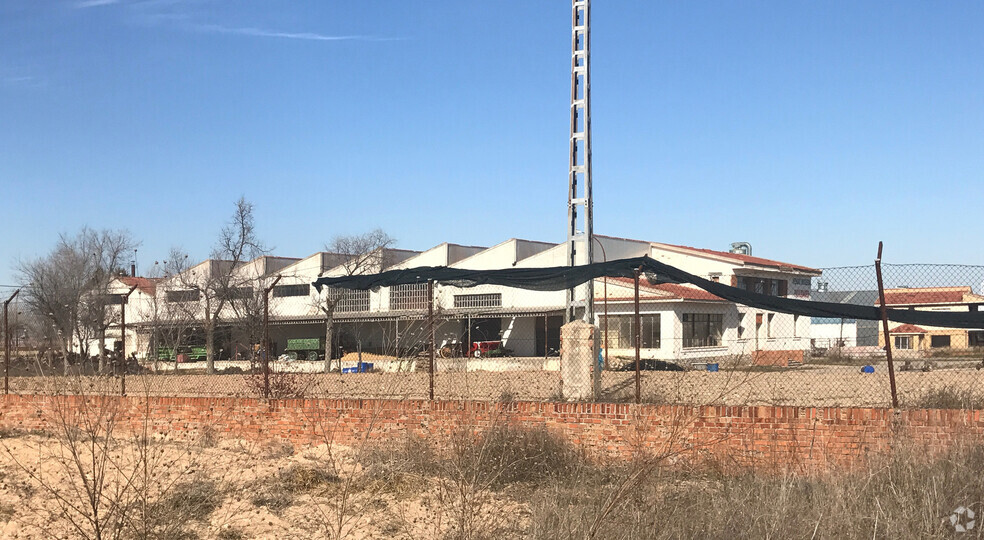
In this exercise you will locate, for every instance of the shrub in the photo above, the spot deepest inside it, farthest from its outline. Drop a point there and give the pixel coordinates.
(283, 384)
(506, 454)
(195, 499)
(278, 492)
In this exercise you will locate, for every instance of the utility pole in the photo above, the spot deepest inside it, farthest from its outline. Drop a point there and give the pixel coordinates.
(580, 209)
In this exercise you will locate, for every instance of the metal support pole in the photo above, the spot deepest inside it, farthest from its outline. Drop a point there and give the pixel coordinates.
(6, 344)
(266, 337)
(123, 301)
(888, 337)
(606, 322)
(430, 317)
(638, 341)
(546, 341)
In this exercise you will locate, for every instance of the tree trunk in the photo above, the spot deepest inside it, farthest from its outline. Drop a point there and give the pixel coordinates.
(210, 349)
(329, 334)
(102, 349)
(64, 347)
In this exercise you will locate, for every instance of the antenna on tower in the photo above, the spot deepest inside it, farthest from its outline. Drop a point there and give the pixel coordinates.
(580, 231)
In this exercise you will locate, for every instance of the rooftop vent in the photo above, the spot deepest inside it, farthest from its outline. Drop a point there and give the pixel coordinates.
(743, 248)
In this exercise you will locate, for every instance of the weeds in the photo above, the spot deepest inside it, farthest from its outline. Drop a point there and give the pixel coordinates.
(950, 397)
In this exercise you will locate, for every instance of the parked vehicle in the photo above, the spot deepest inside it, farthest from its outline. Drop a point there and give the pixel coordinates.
(184, 353)
(311, 349)
(488, 348)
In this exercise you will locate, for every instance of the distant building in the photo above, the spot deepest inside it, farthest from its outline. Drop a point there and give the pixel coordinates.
(923, 339)
(834, 332)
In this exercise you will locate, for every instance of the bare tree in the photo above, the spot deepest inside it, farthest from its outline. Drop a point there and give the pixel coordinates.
(237, 244)
(68, 287)
(247, 308)
(170, 322)
(110, 249)
(363, 253)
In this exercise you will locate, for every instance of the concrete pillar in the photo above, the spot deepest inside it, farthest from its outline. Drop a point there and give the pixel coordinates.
(578, 356)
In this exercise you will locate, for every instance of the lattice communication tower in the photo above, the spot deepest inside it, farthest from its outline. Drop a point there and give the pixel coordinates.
(579, 206)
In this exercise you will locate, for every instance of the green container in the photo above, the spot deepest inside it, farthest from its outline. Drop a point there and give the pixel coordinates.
(194, 353)
(304, 344)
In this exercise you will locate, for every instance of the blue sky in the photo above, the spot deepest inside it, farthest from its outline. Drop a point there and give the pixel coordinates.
(810, 129)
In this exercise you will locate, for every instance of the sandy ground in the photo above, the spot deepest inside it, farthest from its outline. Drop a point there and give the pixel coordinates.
(226, 489)
(810, 385)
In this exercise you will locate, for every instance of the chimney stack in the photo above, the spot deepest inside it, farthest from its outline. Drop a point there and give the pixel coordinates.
(133, 269)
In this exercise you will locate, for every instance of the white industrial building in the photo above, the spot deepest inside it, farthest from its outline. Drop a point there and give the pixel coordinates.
(679, 322)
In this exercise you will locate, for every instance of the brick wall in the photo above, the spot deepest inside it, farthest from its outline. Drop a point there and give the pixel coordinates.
(776, 358)
(788, 437)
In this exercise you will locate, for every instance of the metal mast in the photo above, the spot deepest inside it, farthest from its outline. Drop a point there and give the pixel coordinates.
(579, 238)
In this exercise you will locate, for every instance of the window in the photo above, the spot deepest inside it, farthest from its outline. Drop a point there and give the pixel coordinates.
(283, 291)
(903, 342)
(702, 329)
(796, 320)
(768, 325)
(771, 287)
(237, 293)
(622, 336)
(113, 299)
(938, 342)
(478, 300)
(183, 296)
(975, 338)
(409, 296)
(348, 301)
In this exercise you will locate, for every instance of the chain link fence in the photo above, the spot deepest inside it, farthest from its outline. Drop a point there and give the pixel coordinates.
(658, 343)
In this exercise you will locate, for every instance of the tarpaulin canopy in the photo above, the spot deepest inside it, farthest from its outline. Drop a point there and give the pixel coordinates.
(558, 278)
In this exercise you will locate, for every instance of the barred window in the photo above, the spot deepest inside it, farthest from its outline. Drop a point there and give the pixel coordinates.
(622, 336)
(702, 329)
(348, 301)
(283, 291)
(408, 296)
(191, 295)
(488, 300)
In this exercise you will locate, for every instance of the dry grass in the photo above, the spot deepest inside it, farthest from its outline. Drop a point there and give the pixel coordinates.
(515, 482)
(904, 495)
(950, 397)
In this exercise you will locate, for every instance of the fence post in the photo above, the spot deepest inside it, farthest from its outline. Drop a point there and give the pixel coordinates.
(638, 340)
(6, 344)
(888, 337)
(266, 338)
(430, 317)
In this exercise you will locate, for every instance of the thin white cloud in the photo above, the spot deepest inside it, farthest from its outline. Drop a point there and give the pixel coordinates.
(95, 3)
(309, 36)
